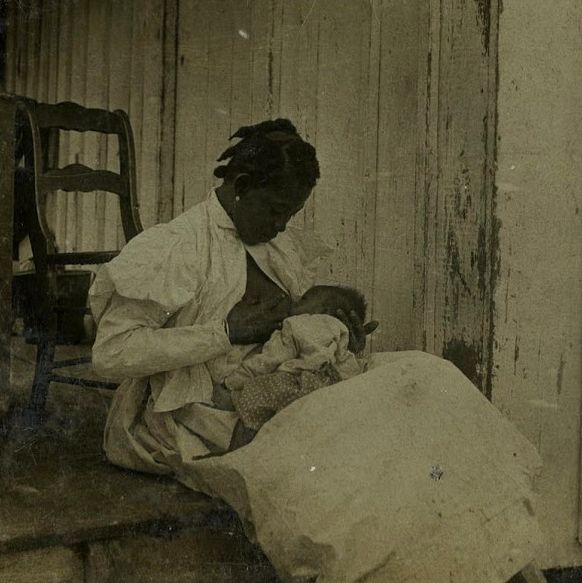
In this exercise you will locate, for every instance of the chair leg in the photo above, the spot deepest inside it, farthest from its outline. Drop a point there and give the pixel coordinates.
(45, 355)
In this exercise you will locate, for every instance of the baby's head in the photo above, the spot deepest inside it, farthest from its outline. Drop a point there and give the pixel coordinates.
(328, 299)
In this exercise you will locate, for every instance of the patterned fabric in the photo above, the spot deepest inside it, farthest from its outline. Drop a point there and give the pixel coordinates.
(264, 396)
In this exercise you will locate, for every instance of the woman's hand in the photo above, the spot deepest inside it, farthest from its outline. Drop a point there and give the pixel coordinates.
(255, 322)
(358, 330)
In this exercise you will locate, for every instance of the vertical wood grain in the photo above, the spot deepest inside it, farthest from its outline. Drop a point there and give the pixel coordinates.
(51, 14)
(79, 33)
(458, 258)
(167, 152)
(241, 66)
(120, 19)
(191, 105)
(403, 31)
(136, 94)
(427, 183)
(6, 221)
(538, 305)
(341, 123)
(266, 58)
(149, 161)
(33, 41)
(21, 30)
(11, 46)
(64, 60)
(221, 33)
(299, 80)
(92, 209)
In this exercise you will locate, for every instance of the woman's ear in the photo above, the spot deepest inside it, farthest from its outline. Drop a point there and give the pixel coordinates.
(242, 184)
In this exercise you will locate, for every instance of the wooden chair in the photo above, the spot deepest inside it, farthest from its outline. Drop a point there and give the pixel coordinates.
(43, 294)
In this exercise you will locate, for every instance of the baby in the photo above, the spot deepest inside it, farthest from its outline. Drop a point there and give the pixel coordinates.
(309, 352)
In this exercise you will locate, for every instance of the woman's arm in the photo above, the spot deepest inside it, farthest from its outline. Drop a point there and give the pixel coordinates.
(131, 342)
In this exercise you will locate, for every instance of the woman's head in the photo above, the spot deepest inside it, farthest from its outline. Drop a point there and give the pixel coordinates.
(268, 176)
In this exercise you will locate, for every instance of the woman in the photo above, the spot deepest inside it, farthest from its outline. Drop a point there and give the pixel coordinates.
(403, 473)
(171, 306)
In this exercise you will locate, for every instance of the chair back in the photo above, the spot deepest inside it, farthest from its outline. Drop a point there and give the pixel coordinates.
(45, 122)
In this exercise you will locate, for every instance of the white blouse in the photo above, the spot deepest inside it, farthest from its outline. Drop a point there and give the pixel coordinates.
(160, 308)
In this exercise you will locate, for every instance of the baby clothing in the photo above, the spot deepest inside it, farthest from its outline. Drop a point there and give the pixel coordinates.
(309, 352)
(262, 397)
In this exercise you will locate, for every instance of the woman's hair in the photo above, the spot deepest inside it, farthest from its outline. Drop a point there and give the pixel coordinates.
(270, 153)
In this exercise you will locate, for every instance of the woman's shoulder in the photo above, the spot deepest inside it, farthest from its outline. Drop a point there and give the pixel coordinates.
(161, 264)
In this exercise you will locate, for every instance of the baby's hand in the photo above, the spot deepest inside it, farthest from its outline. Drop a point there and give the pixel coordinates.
(358, 330)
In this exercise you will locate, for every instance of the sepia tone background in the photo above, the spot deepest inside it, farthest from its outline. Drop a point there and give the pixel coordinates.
(449, 138)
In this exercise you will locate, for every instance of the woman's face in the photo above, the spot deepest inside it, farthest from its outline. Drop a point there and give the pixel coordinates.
(262, 213)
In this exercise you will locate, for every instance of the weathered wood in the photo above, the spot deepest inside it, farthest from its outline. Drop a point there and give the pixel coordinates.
(33, 40)
(81, 258)
(459, 203)
(136, 94)
(266, 55)
(6, 218)
(64, 60)
(78, 177)
(80, 35)
(427, 182)
(20, 58)
(45, 511)
(148, 165)
(119, 90)
(88, 120)
(347, 130)
(192, 100)
(538, 315)
(50, 565)
(401, 61)
(203, 555)
(220, 31)
(95, 144)
(168, 112)
(241, 66)
(77, 117)
(11, 46)
(299, 80)
(367, 268)
(47, 61)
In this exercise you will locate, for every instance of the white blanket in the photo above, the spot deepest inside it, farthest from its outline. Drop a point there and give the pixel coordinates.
(405, 473)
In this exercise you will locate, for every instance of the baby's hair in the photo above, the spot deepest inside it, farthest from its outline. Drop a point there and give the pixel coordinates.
(269, 152)
(346, 298)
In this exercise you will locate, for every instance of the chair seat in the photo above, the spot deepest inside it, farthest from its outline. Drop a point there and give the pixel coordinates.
(82, 258)
(71, 305)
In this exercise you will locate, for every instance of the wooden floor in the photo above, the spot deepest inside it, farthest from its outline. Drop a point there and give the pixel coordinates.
(66, 514)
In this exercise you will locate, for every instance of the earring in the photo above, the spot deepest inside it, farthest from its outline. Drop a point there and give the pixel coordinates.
(237, 198)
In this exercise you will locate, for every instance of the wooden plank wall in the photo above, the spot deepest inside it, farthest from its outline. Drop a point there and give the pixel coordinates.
(381, 89)
(456, 280)
(105, 53)
(538, 321)
(233, 63)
